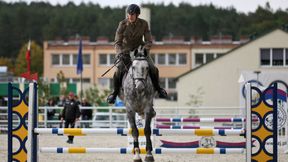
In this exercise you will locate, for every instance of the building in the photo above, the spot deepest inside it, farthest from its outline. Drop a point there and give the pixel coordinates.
(173, 56)
(217, 82)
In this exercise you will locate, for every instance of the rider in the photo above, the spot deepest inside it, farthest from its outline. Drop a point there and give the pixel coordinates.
(129, 36)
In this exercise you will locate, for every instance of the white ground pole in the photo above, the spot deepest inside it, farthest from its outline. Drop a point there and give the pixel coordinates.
(248, 122)
(30, 122)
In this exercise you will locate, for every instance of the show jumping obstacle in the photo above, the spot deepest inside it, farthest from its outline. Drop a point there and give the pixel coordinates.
(261, 109)
(61, 150)
(204, 120)
(124, 131)
(193, 127)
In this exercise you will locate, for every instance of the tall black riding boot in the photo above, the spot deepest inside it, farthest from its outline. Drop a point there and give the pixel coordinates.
(154, 74)
(117, 80)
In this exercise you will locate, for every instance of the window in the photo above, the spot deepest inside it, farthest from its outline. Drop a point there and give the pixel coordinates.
(106, 59)
(86, 80)
(182, 59)
(75, 59)
(273, 57)
(86, 59)
(171, 59)
(112, 58)
(78, 80)
(265, 56)
(103, 59)
(219, 55)
(209, 57)
(168, 83)
(55, 59)
(161, 59)
(171, 83)
(199, 59)
(75, 80)
(277, 57)
(65, 59)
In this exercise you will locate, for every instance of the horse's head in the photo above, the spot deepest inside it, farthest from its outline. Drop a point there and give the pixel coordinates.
(140, 68)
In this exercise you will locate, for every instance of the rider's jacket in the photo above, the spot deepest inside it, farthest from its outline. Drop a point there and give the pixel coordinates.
(129, 36)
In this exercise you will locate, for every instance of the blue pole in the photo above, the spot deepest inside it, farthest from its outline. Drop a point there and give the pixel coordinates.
(34, 125)
(10, 100)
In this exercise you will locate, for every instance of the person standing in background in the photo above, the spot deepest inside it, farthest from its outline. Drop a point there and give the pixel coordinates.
(70, 114)
(50, 111)
(86, 113)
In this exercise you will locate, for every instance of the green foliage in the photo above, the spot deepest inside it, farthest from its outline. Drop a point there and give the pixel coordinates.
(36, 60)
(63, 83)
(7, 62)
(43, 92)
(96, 98)
(41, 21)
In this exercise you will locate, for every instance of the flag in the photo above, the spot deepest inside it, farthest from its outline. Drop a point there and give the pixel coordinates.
(28, 56)
(79, 59)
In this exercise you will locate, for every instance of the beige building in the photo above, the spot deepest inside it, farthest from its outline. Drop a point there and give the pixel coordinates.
(172, 56)
(217, 82)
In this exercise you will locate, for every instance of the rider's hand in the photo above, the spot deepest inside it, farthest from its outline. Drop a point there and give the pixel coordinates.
(118, 57)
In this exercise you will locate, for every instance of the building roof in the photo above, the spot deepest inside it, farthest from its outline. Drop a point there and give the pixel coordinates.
(228, 53)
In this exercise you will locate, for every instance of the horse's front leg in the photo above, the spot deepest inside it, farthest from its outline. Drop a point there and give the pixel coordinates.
(148, 118)
(135, 135)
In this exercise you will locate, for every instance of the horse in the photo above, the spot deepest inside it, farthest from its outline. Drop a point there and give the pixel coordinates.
(137, 95)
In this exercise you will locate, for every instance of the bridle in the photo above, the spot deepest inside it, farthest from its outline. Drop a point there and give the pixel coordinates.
(141, 79)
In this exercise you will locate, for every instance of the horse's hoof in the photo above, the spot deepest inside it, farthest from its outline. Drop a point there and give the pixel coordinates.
(149, 158)
(137, 160)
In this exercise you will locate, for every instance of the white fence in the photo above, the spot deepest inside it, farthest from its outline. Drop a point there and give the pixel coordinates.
(112, 117)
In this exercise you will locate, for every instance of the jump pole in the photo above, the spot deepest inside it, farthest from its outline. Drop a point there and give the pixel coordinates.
(248, 123)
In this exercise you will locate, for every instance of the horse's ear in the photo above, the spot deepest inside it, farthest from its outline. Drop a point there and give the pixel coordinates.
(135, 52)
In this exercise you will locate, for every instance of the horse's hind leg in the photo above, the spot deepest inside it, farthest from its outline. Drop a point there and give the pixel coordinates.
(149, 157)
(135, 135)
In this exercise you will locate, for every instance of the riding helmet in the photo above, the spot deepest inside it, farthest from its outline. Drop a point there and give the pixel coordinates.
(133, 9)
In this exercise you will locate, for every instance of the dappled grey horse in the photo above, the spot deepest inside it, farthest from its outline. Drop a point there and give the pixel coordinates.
(138, 93)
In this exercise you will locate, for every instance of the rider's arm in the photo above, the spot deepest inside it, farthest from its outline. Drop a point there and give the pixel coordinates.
(119, 37)
(147, 37)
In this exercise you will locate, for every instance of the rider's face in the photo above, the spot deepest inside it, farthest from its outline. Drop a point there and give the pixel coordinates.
(132, 17)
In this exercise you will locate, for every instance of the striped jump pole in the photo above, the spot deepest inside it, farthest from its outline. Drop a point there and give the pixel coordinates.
(125, 131)
(204, 120)
(193, 127)
(72, 150)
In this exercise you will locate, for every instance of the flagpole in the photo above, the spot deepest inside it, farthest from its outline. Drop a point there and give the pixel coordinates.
(80, 68)
(81, 88)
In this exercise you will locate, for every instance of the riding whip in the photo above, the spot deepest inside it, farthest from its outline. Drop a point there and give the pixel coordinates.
(110, 68)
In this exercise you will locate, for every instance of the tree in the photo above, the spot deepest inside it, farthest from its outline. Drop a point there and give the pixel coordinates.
(95, 97)
(43, 92)
(6, 62)
(36, 60)
(63, 83)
